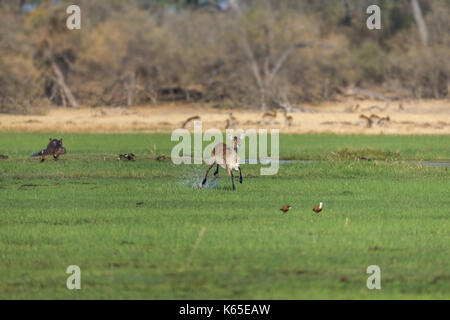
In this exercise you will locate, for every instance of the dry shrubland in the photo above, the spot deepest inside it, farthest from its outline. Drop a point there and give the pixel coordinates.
(257, 54)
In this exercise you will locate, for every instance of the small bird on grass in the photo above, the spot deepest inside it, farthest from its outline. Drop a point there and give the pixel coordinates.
(161, 157)
(285, 208)
(127, 156)
(3, 157)
(318, 208)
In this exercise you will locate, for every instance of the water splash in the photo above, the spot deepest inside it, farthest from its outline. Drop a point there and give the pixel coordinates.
(195, 177)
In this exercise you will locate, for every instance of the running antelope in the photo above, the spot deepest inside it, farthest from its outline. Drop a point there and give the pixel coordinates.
(269, 118)
(226, 157)
(288, 120)
(231, 121)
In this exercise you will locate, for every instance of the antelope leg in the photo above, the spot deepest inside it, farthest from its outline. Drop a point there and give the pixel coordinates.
(230, 172)
(207, 171)
(217, 171)
(240, 175)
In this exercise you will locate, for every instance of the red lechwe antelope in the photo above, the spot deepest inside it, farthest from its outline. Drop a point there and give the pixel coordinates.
(226, 157)
(365, 121)
(269, 118)
(231, 121)
(190, 119)
(384, 121)
(375, 119)
(288, 120)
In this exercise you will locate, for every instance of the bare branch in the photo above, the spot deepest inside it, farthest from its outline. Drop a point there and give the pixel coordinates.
(420, 21)
(251, 57)
(284, 56)
(247, 49)
(59, 77)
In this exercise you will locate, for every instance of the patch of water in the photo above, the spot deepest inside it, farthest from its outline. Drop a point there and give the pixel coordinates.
(435, 164)
(281, 161)
(423, 163)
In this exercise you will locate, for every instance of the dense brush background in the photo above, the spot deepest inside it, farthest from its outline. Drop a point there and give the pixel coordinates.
(142, 52)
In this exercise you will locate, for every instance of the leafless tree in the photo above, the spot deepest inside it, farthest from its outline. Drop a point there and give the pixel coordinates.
(420, 21)
(264, 76)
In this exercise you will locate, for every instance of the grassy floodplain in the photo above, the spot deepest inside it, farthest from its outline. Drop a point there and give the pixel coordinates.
(131, 226)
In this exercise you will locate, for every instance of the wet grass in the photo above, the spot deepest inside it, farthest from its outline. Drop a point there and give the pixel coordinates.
(132, 226)
(310, 147)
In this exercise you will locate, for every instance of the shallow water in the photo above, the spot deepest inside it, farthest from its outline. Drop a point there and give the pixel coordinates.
(281, 161)
(423, 163)
(435, 163)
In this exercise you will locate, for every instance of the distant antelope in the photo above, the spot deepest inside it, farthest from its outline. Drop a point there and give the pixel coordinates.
(384, 121)
(227, 158)
(365, 121)
(189, 120)
(269, 118)
(231, 121)
(375, 119)
(288, 120)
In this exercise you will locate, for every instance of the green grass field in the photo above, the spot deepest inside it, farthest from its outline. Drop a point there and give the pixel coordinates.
(83, 210)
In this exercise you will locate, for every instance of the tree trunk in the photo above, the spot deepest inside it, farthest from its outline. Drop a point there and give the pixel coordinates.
(420, 21)
(262, 99)
(59, 78)
(131, 89)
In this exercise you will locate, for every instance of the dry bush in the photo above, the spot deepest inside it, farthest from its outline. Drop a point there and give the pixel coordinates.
(21, 87)
(128, 53)
(112, 66)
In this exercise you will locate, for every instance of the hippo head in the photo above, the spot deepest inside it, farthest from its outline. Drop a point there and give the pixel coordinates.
(59, 147)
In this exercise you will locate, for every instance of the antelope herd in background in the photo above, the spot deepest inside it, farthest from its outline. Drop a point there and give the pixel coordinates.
(269, 118)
